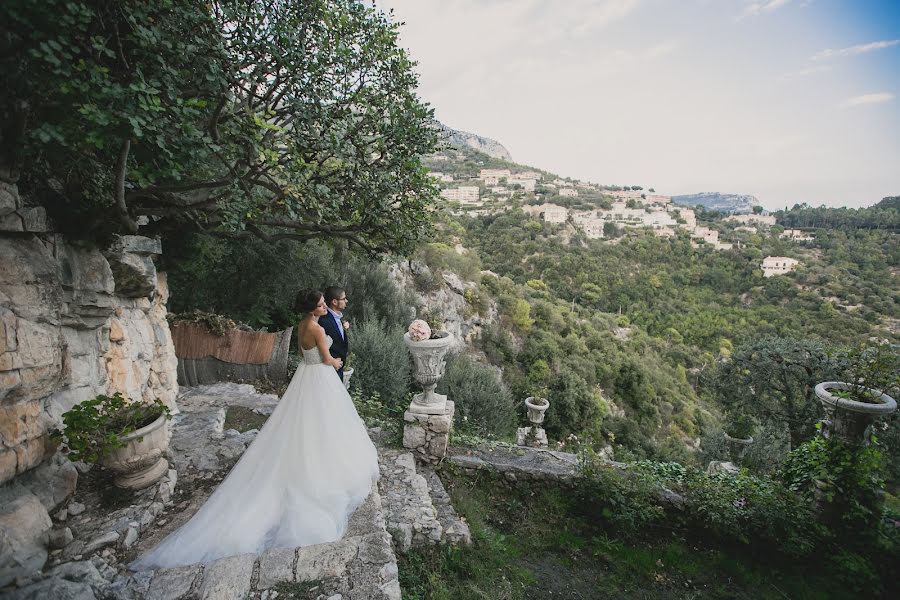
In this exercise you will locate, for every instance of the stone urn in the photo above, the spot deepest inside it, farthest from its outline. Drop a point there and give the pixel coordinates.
(140, 462)
(534, 436)
(428, 360)
(348, 373)
(737, 446)
(536, 409)
(849, 420)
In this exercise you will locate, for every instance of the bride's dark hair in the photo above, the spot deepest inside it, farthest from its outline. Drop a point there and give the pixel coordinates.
(307, 300)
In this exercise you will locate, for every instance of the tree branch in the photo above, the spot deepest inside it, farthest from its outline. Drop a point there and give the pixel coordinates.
(121, 166)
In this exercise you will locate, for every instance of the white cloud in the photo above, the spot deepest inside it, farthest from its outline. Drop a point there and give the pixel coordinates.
(854, 50)
(754, 9)
(865, 99)
(806, 72)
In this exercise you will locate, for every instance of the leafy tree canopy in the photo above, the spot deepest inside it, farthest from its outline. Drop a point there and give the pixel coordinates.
(283, 120)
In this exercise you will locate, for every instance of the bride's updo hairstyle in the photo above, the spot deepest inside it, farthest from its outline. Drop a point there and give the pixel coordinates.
(307, 300)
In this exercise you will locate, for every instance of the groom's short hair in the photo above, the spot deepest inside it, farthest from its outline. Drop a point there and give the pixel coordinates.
(333, 292)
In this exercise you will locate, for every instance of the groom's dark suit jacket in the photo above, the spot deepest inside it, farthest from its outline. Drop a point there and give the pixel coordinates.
(340, 346)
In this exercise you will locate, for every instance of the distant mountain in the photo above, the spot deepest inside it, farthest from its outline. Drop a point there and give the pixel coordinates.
(490, 147)
(731, 203)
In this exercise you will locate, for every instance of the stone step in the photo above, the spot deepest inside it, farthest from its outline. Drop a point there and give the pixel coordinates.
(455, 528)
(361, 565)
(408, 509)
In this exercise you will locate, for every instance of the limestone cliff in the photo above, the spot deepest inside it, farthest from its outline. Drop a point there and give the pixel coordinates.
(75, 322)
(455, 137)
(446, 299)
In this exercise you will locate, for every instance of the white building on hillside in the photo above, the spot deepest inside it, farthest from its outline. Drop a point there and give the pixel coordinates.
(498, 173)
(464, 194)
(688, 216)
(626, 194)
(710, 236)
(526, 183)
(552, 213)
(570, 192)
(778, 265)
(593, 228)
(795, 235)
(658, 219)
(767, 220)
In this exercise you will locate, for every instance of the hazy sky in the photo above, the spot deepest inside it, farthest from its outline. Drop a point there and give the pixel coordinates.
(788, 100)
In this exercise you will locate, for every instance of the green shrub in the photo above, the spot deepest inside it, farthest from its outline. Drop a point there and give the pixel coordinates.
(627, 504)
(848, 478)
(373, 296)
(732, 508)
(575, 407)
(763, 457)
(484, 405)
(380, 363)
(94, 428)
(374, 413)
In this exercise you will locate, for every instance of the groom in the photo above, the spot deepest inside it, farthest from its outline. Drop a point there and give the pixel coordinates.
(336, 302)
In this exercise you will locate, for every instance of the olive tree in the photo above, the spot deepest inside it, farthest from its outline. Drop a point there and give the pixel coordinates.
(277, 119)
(773, 379)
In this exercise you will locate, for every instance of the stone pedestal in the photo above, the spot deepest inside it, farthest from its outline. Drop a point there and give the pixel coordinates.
(537, 439)
(428, 435)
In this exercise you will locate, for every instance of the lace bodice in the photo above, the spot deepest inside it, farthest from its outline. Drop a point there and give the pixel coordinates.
(313, 356)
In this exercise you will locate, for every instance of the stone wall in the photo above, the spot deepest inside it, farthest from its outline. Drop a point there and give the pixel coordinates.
(75, 322)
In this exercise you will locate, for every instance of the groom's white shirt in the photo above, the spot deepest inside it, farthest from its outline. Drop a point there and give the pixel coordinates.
(337, 319)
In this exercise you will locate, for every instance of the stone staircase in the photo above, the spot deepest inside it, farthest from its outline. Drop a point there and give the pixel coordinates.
(417, 508)
(361, 565)
(409, 508)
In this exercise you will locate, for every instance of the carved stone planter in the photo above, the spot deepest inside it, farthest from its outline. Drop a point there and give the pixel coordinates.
(536, 409)
(737, 446)
(428, 359)
(140, 463)
(534, 436)
(849, 420)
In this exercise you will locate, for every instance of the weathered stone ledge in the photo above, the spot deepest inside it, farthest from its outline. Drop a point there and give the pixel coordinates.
(518, 463)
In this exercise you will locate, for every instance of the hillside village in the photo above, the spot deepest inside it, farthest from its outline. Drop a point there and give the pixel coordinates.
(470, 186)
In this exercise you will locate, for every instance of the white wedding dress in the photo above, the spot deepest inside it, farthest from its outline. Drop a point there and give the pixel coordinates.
(311, 465)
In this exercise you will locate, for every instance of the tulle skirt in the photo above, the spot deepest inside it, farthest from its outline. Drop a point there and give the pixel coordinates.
(311, 465)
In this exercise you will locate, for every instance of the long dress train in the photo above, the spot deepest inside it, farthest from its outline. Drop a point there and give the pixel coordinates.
(311, 465)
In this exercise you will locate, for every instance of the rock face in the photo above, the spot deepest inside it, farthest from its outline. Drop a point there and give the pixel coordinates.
(448, 300)
(24, 534)
(490, 147)
(75, 322)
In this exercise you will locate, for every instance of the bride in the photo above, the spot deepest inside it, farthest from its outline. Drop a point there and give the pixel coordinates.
(311, 465)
